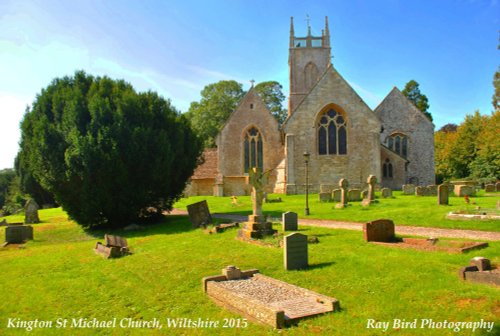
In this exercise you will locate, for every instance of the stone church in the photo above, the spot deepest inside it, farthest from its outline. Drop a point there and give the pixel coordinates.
(328, 120)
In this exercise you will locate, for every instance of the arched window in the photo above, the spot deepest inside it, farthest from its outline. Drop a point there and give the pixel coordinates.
(253, 150)
(311, 74)
(399, 144)
(387, 169)
(332, 133)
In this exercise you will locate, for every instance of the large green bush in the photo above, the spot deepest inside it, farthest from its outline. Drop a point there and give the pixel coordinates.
(108, 154)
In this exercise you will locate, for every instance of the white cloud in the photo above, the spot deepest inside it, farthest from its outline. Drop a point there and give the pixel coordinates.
(370, 98)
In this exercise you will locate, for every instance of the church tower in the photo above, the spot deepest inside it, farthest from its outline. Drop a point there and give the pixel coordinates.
(308, 59)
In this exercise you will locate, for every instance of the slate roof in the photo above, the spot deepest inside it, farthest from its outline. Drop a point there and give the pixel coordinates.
(208, 169)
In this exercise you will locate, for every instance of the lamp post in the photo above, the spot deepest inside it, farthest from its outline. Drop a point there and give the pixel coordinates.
(306, 161)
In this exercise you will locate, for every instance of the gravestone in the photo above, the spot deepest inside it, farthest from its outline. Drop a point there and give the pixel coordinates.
(408, 189)
(497, 186)
(199, 215)
(381, 230)
(295, 251)
(364, 194)
(4, 222)
(290, 221)
(326, 188)
(336, 194)
(481, 263)
(113, 247)
(325, 197)
(386, 192)
(432, 190)
(420, 191)
(343, 184)
(443, 194)
(18, 234)
(370, 197)
(464, 190)
(257, 226)
(354, 195)
(490, 188)
(31, 212)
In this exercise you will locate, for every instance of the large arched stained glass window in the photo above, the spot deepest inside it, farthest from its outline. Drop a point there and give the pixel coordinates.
(332, 133)
(253, 150)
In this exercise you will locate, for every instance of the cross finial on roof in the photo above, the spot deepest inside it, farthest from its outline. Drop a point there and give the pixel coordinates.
(308, 20)
(252, 82)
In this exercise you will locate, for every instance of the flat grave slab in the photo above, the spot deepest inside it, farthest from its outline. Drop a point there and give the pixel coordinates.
(265, 299)
(433, 244)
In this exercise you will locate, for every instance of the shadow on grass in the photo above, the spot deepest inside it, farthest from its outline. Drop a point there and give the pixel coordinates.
(171, 224)
(321, 265)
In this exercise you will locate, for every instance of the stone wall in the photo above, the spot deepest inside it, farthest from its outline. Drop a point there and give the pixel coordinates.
(363, 144)
(399, 115)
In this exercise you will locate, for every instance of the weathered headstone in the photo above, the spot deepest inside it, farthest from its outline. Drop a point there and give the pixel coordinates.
(325, 196)
(18, 234)
(408, 189)
(481, 263)
(464, 190)
(490, 188)
(113, 247)
(386, 192)
(289, 221)
(31, 212)
(343, 184)
(432, 190)
(420, 191)
(443, 194)
(295, 251)
(336, 194)
(354, 195)
(199, 215)
(370, 198)
(381, 230)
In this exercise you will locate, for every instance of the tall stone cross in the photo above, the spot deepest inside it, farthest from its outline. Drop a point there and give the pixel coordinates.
(258, 181)
(372, 180)
(343, 184)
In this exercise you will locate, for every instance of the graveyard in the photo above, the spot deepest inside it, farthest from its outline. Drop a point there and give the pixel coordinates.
(57, 275)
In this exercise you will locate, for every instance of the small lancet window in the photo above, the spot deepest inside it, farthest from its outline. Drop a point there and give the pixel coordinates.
(387, 169)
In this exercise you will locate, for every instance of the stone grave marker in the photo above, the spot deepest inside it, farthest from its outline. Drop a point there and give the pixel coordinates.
(381, 230)
(432, 190)
(354, 195)
(336, 194)
(464, 190)
(295, 251)
(18, 234)
(443, 194)
(386, 192)
(31, 212)
(343, 184)
(326, 188)
(364, 194)
(420, 191)
(325, 197)
(199, 215)
(408, 189)
(290, 221)
(370, 198)
(490, 188)
(113, 247)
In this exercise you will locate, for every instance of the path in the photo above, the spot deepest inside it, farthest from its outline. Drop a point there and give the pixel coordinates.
(400, 229)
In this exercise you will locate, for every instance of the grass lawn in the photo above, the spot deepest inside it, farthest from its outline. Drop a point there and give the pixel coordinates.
(59, 276)
(402, 209)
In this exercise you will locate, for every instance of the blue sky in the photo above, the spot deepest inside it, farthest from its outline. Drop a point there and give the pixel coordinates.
(177, 47)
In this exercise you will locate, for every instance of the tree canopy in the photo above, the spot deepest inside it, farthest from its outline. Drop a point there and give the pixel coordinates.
(412, 92)
(108, 154)
(219, 100)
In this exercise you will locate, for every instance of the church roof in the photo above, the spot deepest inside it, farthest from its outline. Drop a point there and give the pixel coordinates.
(397, 95)
(208, 169)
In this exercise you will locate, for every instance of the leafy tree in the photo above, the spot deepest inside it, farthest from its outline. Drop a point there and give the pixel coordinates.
(6, 177)
(449, 128)
(496, 95)
(486, 165)
(272, 95)
(208, 116)
(412, 92)
(28, 185)
(108, 154)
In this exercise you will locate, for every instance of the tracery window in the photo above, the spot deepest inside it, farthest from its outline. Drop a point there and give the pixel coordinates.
(253, 150)
(332, 133)
(399, 144)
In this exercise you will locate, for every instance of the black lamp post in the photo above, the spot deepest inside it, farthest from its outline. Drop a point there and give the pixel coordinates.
(306, 161)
